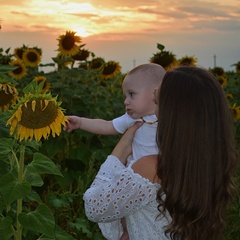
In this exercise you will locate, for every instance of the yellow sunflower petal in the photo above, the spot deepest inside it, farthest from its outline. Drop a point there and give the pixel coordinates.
(45, 104)
(10, 90)
(13, 122)
(37, 134)
(56, 128)
(45, 132)
(9, 121)
(21, 133)
(33, 105)
(48, 130)
(5, 88)
(59, 117)
(30, 134)
(18, 113)
(65, 121)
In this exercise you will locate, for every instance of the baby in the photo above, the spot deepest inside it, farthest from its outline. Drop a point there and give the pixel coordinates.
(139, 87)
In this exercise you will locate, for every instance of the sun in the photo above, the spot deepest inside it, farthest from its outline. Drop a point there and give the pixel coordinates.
(80, 31)
(74, 11)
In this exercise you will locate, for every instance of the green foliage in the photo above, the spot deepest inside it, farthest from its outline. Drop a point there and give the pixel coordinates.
(42, 184)
(232, 229)
(17, 184)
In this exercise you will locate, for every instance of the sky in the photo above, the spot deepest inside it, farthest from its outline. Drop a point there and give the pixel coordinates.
(127, 31)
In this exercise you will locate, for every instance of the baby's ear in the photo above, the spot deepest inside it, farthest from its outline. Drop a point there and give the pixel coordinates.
(155, 95)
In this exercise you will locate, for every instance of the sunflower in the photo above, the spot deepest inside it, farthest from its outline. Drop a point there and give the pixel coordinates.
(110, 69)
(5, 57)
(67, 43)
(237, 66)
(96, 63)
(18, 52)
(164, 58)
(8, 96)
(62, 60)
(222, 80)
(235, 111)
(82, 55)
(46, 85)
(31, 57)
(36, 116)
(217, 71)
(187, 61)
(229, 96)
(20, 70)
(39, 50)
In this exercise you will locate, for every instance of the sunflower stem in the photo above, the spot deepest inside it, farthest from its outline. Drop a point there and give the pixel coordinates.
(16, 159)
(19, 201)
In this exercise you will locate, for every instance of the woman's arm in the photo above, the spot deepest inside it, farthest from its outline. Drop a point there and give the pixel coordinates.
(117, 191)
(124, 147)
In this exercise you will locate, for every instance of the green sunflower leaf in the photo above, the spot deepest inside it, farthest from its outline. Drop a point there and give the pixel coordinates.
(34, 179)
(43, 165)
(59, 234)
(46, 65)
(6, 146)
(7, 68)
(5, 227)
(33, 87)
(5, 222)
(160, 46)
(41, 220)
(11, 189)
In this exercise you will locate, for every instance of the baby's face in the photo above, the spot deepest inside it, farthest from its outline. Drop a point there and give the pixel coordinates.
(139, 96)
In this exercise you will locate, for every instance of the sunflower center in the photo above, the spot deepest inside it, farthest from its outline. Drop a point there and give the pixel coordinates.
(186, 61)
(32, 57)
(41, 117)
(109, 69)
(19, 53)
(68, 42)
(5, 98)
(81, 55)
(96, 64)
(18, 70)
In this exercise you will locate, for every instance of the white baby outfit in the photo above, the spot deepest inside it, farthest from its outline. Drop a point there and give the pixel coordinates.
(144, 141)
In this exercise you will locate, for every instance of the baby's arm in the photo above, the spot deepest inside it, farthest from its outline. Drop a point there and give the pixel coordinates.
(97, 126)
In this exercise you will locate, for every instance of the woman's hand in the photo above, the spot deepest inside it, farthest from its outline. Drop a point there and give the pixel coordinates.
(124, 147)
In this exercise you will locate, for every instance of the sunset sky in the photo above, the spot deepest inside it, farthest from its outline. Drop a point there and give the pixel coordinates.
(128, 31)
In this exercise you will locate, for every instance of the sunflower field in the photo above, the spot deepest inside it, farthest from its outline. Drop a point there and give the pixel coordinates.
(44, 171)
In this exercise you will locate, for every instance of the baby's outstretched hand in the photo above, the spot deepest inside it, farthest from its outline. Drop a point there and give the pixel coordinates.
(73, 123)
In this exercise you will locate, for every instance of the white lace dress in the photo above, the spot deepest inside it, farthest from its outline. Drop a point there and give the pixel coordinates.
(118, 192)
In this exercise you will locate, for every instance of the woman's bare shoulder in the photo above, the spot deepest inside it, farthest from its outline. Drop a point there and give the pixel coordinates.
(147, 167)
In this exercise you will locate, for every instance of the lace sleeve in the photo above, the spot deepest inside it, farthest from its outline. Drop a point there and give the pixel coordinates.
(117, 191)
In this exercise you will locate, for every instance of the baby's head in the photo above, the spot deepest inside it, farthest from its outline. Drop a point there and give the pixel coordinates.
(139, 87)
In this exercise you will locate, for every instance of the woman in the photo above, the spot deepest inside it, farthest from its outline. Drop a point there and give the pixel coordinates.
(182, 193)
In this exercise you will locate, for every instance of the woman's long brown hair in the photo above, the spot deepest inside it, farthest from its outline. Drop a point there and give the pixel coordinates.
(198, 156)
